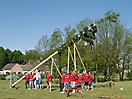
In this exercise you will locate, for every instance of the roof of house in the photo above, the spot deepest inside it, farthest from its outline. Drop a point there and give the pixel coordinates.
(9, 66)
(44, 68)
(27, 67)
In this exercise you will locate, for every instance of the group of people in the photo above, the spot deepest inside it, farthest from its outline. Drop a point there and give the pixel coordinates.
(75, 80)
(33, 80)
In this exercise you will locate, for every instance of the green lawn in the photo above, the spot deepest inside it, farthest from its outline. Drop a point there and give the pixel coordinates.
(99, 90)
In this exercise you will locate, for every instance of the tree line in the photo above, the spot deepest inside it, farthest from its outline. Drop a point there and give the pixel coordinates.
(110, 54)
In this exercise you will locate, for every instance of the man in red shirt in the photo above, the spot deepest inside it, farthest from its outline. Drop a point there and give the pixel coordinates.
(48, 80)
(80, 77)
(62, 82)
(86, 80)
(78, 83)
(66, 81)
(90, 81)
(31, 80)
(26, 81)
(73, 80)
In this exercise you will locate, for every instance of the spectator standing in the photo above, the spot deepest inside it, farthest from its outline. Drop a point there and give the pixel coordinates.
(90, 81)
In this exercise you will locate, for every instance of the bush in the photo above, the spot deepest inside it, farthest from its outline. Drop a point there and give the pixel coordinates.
(129, 75)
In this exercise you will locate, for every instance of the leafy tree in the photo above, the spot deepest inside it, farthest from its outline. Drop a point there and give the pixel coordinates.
(9, 56)
(18, 57)
(56, 39)
(43, 44)
(2, 58)
(125, 53)
(32, 55)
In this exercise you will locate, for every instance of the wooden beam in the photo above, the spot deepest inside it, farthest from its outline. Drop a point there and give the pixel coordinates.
(80, 57)
(75, 57)
(57, 68)
(68, 60)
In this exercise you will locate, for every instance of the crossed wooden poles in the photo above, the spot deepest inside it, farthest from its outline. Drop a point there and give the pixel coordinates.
(53, 63)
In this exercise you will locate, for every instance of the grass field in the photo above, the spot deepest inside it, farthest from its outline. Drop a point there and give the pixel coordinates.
(99, 90)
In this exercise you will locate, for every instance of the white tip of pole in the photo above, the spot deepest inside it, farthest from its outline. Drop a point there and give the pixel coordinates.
(94, 25)
(89, 28)
(78, 35)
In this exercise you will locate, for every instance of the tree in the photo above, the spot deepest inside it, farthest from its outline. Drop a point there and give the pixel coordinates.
(114, 44)
(43, 44)
(18, 57)
(2, 58)
(125, 53)
(9, 56)
(56, 39)
(32, 55)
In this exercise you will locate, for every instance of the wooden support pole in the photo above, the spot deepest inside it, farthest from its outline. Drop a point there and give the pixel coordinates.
(35, 68)
(57, 68)
(51, 70)
(80, 57)
(68, 60)
(10, 79)
(71, 54)
(75, 57)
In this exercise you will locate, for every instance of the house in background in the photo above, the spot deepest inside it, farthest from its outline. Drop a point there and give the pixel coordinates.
(12, 67)
(44, 69)
(22, 69)
(26, 68)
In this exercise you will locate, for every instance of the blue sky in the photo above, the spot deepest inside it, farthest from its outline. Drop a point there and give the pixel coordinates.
(24, 22)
